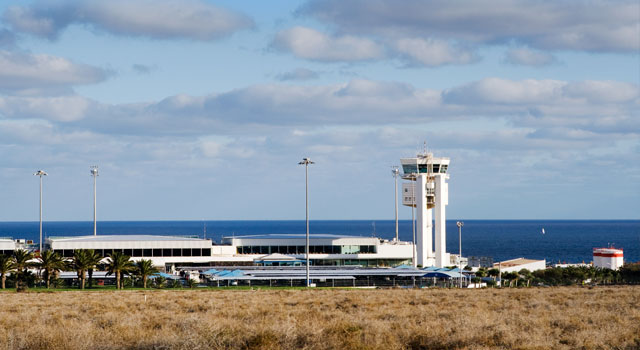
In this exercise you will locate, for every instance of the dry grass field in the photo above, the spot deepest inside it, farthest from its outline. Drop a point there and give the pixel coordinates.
(549, 318)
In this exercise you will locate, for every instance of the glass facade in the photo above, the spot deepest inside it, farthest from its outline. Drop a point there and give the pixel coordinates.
(145, 252)
(339, 262)
(313, 249)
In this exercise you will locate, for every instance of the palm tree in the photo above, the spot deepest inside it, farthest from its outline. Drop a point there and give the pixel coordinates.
(118, 264)
(82, 262)
(20, 263)
(144, 268)
(50, 262)
(5, 267)
(480, 273)
(93, 259)
(493, 273)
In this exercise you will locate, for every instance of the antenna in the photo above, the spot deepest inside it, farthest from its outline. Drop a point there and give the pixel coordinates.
(205, 229)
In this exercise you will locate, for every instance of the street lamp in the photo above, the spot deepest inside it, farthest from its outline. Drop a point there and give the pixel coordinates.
(395, 171)
(306, 162)
(40, 173)
(460, 224)
(94, 173)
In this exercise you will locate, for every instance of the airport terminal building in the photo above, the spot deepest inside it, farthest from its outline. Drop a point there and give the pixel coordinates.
(263, 250)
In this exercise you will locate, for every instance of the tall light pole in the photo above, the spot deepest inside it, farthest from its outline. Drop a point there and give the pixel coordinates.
(94, 173)
(395, 171)
(40, 173)
(413, 223)
(306, 162)
(460, 224)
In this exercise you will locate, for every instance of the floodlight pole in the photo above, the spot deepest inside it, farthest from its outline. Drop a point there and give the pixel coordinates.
(94, 173)
(306, 162)
(460, 224)
(40, 173)
(395, 171)
(413, 223)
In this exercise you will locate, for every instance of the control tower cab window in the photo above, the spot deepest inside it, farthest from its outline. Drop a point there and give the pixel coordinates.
(409, 168)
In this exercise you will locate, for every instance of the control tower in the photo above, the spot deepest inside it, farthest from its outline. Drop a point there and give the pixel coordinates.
(426, 189)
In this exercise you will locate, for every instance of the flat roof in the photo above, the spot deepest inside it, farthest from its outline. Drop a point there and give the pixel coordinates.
(295, 236)
(123, 238)
(515, 262)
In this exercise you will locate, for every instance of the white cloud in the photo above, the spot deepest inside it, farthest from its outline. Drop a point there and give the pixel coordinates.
(430, 52)
(159, 19)
(503, 91)
(601, 26)
(528, 57)
(20, 71)
(602, 91)
(59, 108)
(530, 92)
(42, 132)
(313, 45)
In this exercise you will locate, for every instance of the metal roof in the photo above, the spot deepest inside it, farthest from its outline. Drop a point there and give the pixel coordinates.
(123, 238)
(444, 274)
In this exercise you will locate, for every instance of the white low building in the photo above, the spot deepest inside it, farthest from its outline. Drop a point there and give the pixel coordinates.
(162, 250)
(324, 249)
(515, 265)
(7, 246)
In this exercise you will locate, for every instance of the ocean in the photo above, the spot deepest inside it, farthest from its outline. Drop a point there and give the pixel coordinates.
(564, 240)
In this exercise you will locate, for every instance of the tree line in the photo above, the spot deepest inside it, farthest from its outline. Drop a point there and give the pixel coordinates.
(561, 276)
(84, 262)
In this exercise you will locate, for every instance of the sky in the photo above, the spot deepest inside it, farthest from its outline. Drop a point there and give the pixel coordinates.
(197, 109)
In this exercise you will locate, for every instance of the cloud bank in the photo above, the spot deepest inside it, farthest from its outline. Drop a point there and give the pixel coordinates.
(595, 26)
(158, 19)
(597, 106)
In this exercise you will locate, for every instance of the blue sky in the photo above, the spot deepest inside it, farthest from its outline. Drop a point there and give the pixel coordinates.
(201, 109)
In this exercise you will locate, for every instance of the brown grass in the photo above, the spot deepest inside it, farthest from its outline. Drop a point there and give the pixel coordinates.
(552, 318)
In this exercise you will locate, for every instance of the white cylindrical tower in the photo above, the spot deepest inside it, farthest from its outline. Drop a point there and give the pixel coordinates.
(608, 258)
